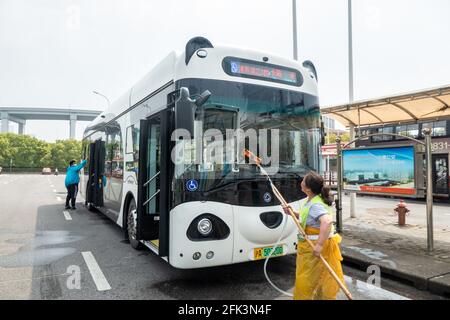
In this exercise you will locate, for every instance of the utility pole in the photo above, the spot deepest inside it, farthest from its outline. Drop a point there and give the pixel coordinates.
(350, 52)
(429, 159)
(294, 26)
(350, 92)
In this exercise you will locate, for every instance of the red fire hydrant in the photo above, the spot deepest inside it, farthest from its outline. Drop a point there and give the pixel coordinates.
(401, 210)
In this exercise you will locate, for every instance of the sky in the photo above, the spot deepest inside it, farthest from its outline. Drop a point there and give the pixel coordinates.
(54, 53)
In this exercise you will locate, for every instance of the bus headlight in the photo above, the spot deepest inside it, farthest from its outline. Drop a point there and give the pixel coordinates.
(204, 227)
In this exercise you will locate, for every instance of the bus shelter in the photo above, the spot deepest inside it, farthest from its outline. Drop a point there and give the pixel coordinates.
(415, 107)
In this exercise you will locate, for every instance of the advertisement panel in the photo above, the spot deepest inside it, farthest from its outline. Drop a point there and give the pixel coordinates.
(387, 170)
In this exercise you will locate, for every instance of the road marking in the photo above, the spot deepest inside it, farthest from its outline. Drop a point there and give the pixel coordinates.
(54, 190)
(67, 215)
(58, 198)
(52, 186)
(96, 273)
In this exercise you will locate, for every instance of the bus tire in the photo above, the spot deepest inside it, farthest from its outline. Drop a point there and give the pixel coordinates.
(90, 207)
(131, 225)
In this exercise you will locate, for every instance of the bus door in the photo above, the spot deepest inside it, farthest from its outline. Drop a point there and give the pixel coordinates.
(90, 183)
(440, 174)
(153, 185)
(96, 168)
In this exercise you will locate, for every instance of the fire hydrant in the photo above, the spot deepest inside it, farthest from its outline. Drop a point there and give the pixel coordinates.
(401, 210)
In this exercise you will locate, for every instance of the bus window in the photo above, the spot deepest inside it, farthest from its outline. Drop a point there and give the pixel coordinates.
(262, 112)
(129, 140)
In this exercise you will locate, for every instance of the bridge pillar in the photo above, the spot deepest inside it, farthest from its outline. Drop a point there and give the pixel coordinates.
(21, 127)
(73, 125)
(5, 121)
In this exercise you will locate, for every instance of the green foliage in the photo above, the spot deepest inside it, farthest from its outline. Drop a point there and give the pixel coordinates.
(331, 138)
(29, 152)
(63, 151)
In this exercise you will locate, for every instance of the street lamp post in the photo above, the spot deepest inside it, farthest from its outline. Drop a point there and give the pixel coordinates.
(102, 95)
(428, 154)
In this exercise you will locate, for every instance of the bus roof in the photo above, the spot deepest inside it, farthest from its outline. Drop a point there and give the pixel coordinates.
(174, 67)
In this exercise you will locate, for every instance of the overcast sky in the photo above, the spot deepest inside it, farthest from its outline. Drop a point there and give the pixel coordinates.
(54, 53)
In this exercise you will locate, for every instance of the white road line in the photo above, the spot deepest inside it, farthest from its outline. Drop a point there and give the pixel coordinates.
(54, 190)
(52, 186)
(96, 273)
(58, 198)
(67, 215)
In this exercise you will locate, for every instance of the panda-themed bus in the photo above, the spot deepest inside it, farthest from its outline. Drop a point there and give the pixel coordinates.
(203, 213)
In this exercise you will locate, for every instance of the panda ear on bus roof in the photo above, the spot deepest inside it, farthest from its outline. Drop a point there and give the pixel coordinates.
(309, 65)
(194, 44)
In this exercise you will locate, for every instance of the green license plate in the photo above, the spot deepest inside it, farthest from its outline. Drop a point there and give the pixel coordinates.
(262, 253)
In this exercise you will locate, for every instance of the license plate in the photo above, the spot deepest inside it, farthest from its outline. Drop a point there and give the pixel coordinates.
(262, 253)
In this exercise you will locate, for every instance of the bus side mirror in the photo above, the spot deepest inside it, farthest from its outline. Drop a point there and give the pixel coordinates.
(184, 111)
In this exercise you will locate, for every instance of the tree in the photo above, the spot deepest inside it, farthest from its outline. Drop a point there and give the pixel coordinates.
(331, 137)
(63, 151)
(29, 152)
(4, 149)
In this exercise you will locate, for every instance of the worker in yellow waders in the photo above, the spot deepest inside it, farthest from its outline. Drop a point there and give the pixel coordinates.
(313, 281)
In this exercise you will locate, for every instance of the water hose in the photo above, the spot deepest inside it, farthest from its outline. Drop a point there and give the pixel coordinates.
(270, 255)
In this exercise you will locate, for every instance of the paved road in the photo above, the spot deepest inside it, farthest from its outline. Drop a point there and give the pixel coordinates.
(42, 250)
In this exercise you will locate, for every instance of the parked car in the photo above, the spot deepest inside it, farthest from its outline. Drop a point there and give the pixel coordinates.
(46, 171)
(56, 171)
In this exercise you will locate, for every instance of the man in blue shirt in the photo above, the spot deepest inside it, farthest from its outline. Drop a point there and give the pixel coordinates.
(71, 182)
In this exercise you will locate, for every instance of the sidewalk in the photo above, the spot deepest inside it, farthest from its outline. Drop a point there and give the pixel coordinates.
(375, 238)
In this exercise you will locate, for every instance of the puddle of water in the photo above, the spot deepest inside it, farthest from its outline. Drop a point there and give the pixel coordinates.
(33, 251)
(45, 238)
(364, 291)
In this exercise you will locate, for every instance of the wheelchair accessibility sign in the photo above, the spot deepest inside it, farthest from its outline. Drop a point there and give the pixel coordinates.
(192, 185)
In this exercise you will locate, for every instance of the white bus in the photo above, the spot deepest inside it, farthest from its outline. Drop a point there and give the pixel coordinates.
(204, 214)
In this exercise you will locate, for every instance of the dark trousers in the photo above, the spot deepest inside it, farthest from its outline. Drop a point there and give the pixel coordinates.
(72, 191)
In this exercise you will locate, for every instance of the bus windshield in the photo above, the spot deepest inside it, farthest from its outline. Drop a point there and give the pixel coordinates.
(291, 118)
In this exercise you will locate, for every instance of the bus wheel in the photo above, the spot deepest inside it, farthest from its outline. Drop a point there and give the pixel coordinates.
(131, 225)
(90, 207)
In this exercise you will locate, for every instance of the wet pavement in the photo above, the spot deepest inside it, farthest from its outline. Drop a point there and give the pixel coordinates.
(43, 256)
